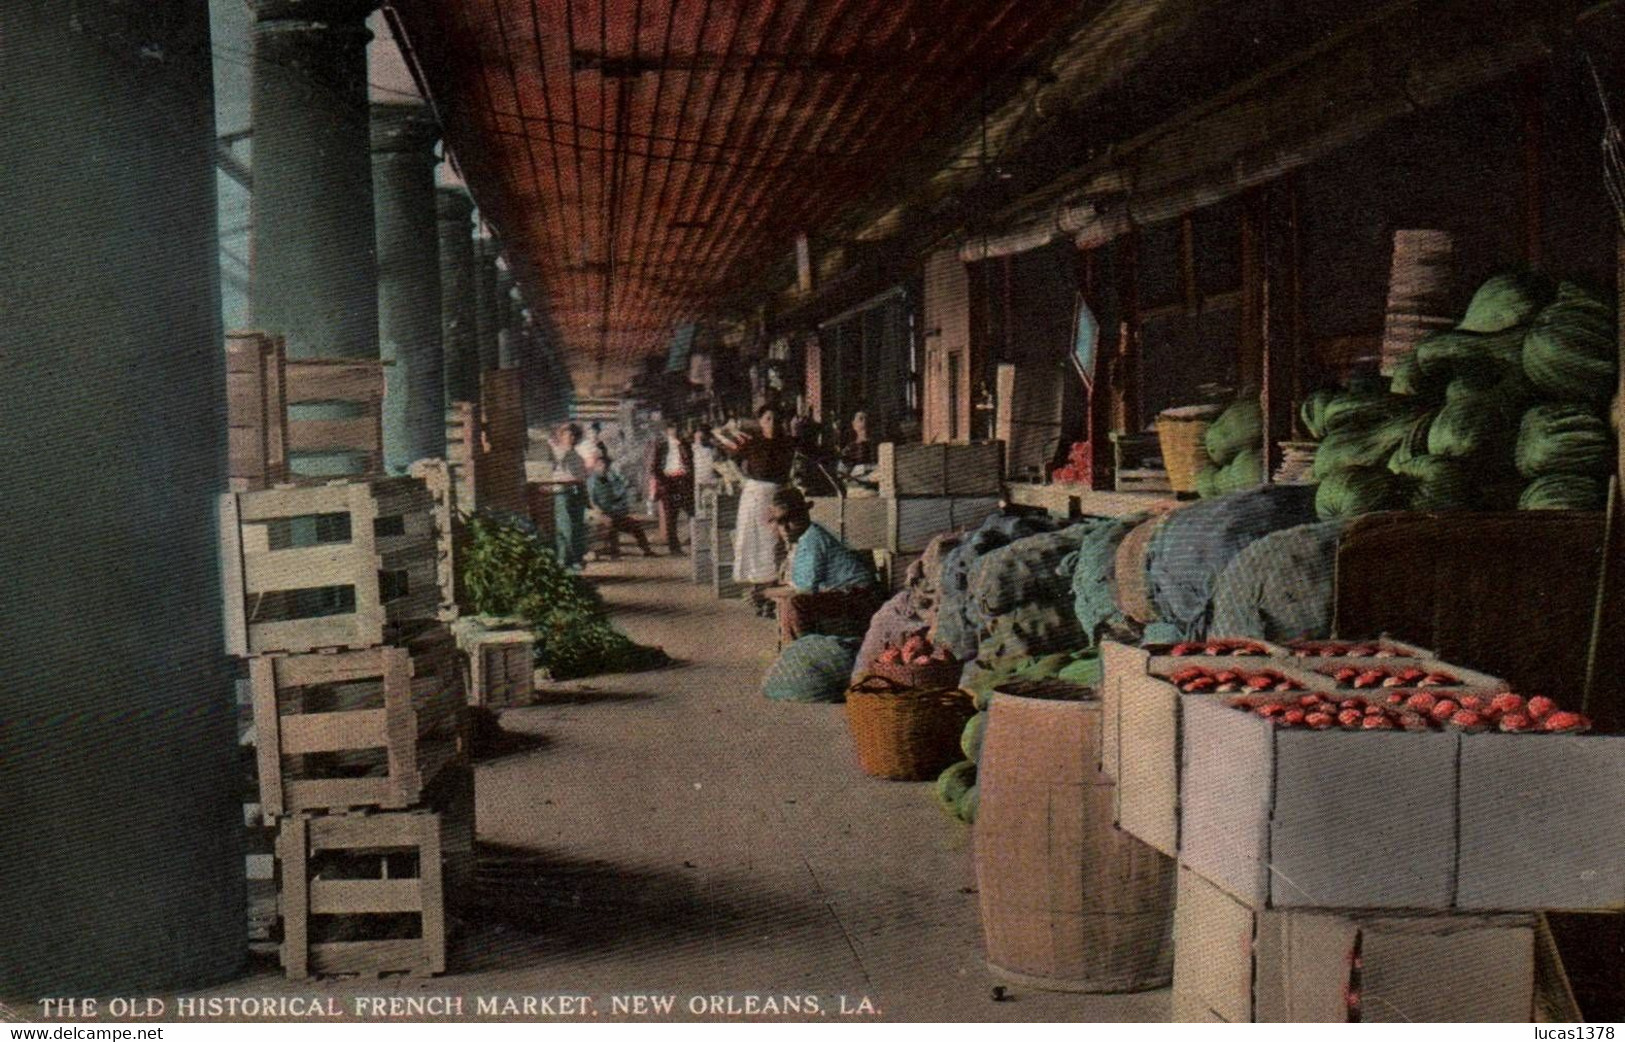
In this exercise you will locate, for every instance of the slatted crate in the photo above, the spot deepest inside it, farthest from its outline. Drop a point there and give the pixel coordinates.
(356, 383)
(463, 452)
(362, 894)
(332, 566)
(501, 665)
(436, 477)
(370, 728)
(256, 410)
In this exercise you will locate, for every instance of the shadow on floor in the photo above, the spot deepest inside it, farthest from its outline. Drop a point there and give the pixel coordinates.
(527, 902)
(590, 696)
(492, 741)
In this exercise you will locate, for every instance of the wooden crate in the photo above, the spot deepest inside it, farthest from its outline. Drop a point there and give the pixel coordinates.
(499, 480)
(436, 477)
(699, 548)
(355, 382)
(463, 452)
(723, 584)
(502, 409)
(256, 410)
(365, 728)
(330, 566)
(344, 869)
(501, 667)
(973, 469)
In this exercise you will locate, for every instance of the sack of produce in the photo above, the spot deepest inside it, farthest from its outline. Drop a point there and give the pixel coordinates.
(1195, 545)
(814, 668)
(953, 625)
(1565, 492)
(1505, 301)
(1439, 483)
(1571, 352)
(1366, 434)
(1241, 426)
(1094, 577)
(1280, 587)
(1025, 572)
(1563, 439)
(1352, 491)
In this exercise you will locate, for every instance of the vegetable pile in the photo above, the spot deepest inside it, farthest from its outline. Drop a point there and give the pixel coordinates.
(1219, 646)
(1327, 649)
(1234, 450)
(1199, 680)
(1380, 676)
(506, 570)
(1507, 409)
(916, 650)
(1079, 468)
(1415, 711)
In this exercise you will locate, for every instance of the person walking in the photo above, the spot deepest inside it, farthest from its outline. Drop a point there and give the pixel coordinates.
(671, 483)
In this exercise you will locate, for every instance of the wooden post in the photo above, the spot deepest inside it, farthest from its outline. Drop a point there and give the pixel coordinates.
(1254, 233)
(1280, 323)
(1098, 411)
(1125, 381)
(1602, 696)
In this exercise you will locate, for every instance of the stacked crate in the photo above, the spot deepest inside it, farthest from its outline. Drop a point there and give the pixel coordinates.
(1370, 874)
(333, 599)
(357, 385)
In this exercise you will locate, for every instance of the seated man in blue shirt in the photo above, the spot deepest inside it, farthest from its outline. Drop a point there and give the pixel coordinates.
(835, 591)
(608, 494)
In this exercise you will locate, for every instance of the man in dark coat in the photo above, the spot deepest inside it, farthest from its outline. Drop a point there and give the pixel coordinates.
(670, 462)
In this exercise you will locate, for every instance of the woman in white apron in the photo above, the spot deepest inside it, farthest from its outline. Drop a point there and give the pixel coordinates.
(765, 460)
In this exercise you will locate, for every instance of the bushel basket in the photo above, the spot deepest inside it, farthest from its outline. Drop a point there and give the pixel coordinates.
(934, 675)
(905, 734)
(1184, 452)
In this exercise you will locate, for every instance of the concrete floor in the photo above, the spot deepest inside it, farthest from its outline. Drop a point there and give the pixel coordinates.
(673, 833)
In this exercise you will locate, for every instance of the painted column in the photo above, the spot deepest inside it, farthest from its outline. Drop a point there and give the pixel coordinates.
(488, 314)
(511, 329)
(314, 277)
(403, 161)
(459, 335)
(121, 821)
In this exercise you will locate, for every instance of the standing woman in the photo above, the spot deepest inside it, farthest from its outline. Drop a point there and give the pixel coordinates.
(765, 460)
(569, 497)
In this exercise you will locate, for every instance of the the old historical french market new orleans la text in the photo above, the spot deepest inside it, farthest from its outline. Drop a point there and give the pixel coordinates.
(406, 1007)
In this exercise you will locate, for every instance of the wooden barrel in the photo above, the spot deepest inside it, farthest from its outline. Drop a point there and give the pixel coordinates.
(1069, 902)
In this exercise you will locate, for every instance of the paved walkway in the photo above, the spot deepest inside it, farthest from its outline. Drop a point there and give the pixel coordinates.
(673, 834)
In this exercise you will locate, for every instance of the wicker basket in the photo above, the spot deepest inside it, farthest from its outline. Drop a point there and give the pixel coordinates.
(934, 676)
(1183, 453)
(903, 734)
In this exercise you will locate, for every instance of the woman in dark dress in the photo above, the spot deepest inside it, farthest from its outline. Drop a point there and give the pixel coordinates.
(765, 460)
